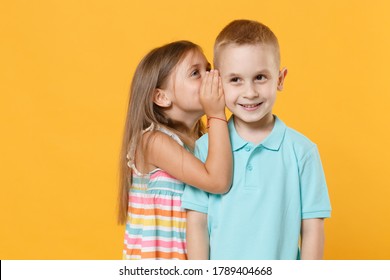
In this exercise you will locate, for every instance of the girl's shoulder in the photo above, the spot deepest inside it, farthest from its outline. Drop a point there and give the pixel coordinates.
(160, 138)
(169, 133)
(159, 135)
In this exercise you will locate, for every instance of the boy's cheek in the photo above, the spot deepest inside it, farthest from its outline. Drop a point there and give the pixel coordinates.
(228, 95)
(229, 91)
(229, 99)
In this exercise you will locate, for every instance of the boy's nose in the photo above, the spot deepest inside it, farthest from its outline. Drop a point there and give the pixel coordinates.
(251, 91)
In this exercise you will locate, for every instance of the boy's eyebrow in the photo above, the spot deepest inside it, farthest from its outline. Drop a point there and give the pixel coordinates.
(231, 75)
(236, 74)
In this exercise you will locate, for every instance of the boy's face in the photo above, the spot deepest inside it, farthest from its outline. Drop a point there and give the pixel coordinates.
(250, 78)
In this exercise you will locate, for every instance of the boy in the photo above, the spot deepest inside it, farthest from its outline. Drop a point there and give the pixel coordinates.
(279, 196)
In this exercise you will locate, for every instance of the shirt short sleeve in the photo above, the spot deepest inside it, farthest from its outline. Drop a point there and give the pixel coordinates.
(314, 191)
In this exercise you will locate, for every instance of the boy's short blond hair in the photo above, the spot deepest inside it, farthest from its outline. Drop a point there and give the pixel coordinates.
(245, 32)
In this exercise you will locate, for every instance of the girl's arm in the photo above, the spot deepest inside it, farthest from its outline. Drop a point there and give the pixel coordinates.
(219, 160)
(312, 239)
(215, 174)
(197, 236)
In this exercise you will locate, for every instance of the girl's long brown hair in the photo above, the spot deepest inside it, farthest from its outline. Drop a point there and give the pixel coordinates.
(152, 73)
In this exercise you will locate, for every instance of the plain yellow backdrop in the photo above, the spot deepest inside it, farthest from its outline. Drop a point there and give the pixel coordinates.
(65, 71)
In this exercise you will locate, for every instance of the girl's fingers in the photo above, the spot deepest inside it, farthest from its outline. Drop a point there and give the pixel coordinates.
(215, 83)
(220, 90)
(209, 83)
(204, 81)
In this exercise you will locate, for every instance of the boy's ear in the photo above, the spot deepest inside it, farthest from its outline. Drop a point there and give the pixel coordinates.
(282, 76)
(161, 99)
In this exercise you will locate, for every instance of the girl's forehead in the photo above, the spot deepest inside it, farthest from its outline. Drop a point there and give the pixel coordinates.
(193, 58)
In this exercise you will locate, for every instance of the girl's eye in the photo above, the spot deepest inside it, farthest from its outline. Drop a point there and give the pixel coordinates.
(195, 73)
(235, 80)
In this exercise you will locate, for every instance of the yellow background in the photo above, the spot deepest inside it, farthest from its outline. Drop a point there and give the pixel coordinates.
(65, 70)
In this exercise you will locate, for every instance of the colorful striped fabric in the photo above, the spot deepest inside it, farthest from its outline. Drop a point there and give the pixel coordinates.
(156, 223)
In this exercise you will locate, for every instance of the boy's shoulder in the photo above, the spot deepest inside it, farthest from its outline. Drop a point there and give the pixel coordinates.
(298, 138)
(300, 143)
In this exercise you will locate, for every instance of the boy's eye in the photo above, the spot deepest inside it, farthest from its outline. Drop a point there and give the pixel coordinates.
(260, 77)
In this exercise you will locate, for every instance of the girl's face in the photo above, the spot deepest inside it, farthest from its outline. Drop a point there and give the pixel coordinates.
(184, 86)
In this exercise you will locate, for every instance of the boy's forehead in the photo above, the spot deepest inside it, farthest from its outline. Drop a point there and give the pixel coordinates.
(234, 55)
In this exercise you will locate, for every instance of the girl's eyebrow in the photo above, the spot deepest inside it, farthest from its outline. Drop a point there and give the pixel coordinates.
(192, 67)
(197, 65)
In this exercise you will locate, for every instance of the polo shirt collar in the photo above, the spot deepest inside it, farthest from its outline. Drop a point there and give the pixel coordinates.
(272, 142)
(236, 141)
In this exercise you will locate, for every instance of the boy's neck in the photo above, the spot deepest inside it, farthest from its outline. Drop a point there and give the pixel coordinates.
(255, 132)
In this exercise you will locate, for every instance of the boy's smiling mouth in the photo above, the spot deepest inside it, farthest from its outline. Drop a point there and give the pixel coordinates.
(251, 107)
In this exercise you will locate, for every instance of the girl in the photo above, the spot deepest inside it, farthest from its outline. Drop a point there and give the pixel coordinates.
(170, 91)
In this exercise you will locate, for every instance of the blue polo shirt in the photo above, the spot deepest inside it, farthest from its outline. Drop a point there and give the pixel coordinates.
(276, 184)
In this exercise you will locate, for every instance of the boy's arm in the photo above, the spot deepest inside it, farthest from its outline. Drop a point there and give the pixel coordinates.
(313, 238)
(315, 205)
(197, 236)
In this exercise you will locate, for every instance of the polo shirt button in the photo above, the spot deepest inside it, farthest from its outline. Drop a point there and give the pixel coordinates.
(247, 148)
(250, 167)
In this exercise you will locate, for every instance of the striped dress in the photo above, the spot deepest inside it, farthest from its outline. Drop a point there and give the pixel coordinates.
(156, 223)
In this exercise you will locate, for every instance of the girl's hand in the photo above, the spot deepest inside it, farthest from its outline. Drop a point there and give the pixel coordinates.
(211, 95)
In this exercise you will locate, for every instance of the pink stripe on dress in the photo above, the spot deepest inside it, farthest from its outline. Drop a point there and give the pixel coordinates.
(155, 243)
(165, 244)
(156, 200)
